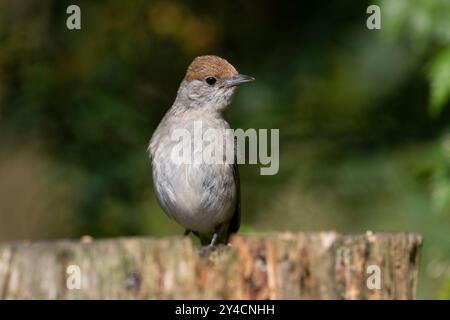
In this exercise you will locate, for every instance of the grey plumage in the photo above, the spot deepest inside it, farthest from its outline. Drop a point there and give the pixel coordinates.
(204, 198)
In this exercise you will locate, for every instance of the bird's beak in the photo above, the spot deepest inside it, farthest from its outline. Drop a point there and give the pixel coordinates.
(237, 80)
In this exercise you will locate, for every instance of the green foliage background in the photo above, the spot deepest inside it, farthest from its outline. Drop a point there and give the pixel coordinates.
(363, 116)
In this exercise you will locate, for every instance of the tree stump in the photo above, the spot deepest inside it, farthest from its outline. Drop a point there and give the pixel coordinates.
(316, 265)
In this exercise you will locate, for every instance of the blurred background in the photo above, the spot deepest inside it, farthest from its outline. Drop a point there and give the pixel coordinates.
(363, 115)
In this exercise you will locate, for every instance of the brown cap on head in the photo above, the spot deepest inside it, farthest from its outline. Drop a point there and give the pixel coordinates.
(204, 66)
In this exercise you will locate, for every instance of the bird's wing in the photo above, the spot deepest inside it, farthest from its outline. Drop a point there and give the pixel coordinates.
(236, 219)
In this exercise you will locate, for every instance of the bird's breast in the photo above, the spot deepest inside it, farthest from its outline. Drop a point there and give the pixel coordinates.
(198, 195)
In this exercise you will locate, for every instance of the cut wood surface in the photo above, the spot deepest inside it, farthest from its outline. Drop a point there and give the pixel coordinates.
(316, 265)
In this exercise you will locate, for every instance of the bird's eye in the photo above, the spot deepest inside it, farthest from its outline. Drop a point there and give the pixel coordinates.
(211, 80)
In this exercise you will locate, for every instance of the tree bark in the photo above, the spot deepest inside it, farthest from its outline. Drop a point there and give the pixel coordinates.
(317, 265)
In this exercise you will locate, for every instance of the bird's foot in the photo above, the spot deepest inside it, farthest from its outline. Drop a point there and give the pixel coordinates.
(213, 240)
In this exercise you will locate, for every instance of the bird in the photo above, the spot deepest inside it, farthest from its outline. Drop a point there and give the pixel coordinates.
(202, 197)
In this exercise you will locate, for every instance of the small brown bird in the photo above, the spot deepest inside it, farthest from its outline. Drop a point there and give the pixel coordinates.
(203, 197)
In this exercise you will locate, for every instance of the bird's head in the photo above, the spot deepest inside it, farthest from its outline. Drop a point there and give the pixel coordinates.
(209, 83)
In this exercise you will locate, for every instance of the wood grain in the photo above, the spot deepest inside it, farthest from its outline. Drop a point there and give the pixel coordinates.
(317, 265)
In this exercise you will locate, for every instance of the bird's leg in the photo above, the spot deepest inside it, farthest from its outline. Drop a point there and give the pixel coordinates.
(186, 232)
(213, 240)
